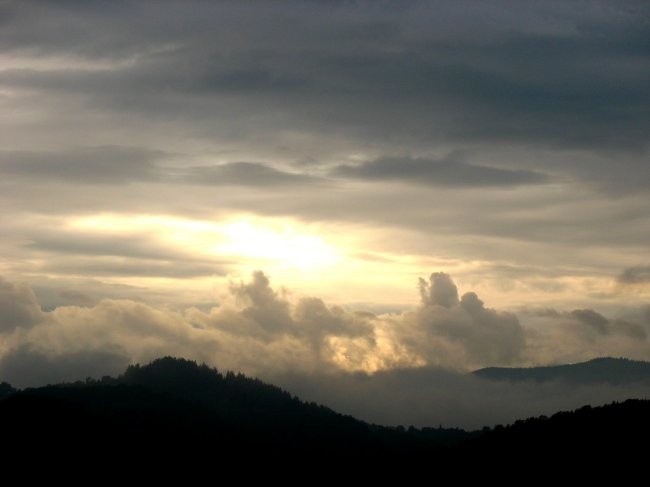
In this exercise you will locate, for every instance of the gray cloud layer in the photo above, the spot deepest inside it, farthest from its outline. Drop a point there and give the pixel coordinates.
(560, 76)
(564, 84)
(92, 165)
(115, 165)
(444, 172)
(245, 174)
(635, 275)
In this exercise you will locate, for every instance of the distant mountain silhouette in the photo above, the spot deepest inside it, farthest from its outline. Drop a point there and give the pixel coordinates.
(175, 414)
(600, 370)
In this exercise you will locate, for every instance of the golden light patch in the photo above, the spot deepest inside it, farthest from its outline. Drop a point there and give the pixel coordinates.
(343, 264)
(255, 241)
(284, 244)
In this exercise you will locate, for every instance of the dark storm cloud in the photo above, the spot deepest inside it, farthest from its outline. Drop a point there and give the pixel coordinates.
(444, 172)
(312, 80)
(562, 76)
(635, 275)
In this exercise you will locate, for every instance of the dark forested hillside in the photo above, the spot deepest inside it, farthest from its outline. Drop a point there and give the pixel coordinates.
(601, 370)
(173, 402)
(177, 411)
(591, 440)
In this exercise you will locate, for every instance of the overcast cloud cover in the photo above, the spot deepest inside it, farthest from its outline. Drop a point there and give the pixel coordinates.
(162, 161)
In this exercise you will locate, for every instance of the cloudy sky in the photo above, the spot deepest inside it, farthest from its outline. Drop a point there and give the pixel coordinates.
(355, 186)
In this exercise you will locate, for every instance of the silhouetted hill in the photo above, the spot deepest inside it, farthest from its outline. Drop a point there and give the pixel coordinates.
(175, 414)
(600, 370)
(173, 402)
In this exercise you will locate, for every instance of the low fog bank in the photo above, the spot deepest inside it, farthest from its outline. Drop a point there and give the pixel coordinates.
(437, 397)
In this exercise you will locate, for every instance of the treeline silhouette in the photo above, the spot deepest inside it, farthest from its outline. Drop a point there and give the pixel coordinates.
(176, 411)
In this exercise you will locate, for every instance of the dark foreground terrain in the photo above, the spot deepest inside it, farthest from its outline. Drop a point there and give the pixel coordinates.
(178, 414)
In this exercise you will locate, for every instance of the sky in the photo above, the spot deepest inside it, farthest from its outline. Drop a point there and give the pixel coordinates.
(322, 187)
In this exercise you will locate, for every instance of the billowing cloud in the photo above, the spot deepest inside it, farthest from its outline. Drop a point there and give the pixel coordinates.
(343, 358)
(439, 291)
(267, 315)
(462, 331)
(263, 306)
(258, 328)
(593, 324)
(18, 306)
(581, 334)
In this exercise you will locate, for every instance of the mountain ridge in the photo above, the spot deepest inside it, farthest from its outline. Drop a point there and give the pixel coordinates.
(607, 370)
(177, 411)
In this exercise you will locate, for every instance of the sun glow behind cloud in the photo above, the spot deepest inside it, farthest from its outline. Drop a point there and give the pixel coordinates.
(249, 239)
(338, 263)
(345, 265)
(180, 261)
(284, 245)
(312, 258)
